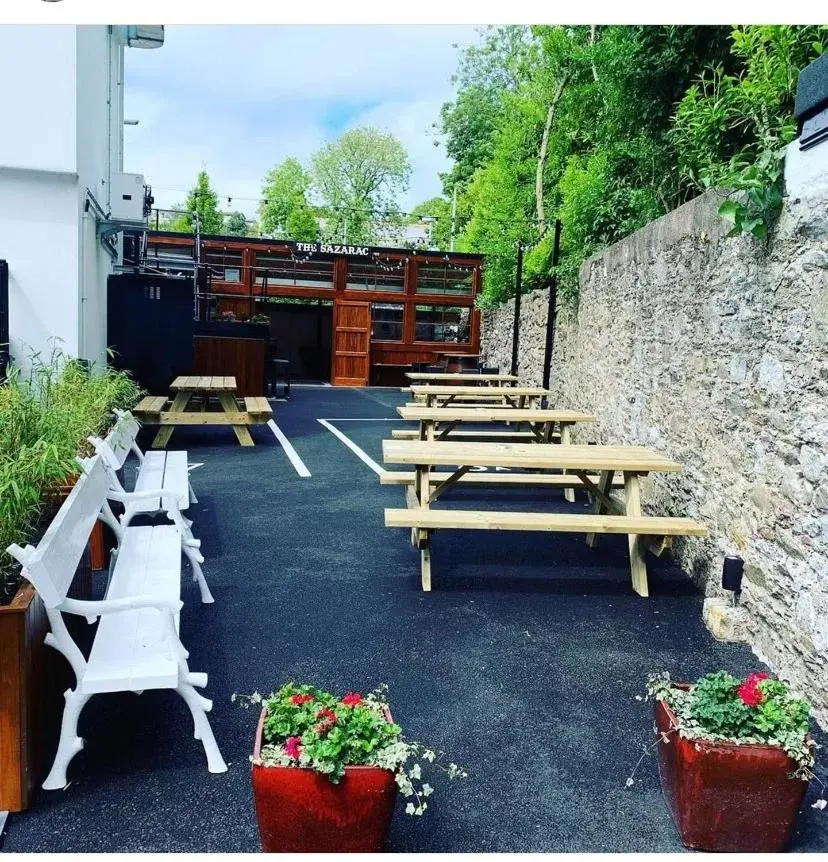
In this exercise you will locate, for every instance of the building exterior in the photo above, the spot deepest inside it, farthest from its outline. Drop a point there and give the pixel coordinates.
(62, 187)
(385, 307)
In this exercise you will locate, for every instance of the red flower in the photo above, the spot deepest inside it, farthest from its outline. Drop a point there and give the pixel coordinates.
(352, 699)
(299, 699)
(293, 747)
(749, 691)
(328, 717)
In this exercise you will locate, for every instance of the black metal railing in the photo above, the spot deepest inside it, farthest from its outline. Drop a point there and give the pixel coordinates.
(4, 319)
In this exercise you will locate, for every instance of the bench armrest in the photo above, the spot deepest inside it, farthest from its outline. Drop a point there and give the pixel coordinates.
(168, 499)
(84, 608)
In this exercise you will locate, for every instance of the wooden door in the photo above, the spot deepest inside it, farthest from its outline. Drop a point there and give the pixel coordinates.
(351, 343)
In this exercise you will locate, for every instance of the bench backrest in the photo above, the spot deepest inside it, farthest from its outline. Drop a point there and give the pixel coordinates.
(52, 564)
(120, 440)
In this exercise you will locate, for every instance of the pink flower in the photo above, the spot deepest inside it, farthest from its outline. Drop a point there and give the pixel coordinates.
(328, 717)
(299, 699)
(352, 699)
(293, 747)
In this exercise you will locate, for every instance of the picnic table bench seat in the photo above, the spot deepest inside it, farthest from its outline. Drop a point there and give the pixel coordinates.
(150, 405)
(523, 480)
(136, 645)
(258, 407)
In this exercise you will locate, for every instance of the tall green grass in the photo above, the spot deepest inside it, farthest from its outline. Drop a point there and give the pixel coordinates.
(45, 419)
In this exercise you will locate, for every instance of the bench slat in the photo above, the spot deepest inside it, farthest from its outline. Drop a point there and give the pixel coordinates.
(435, 519)
(414, 434)
(129, 653)
(555, 480)
(258, 405)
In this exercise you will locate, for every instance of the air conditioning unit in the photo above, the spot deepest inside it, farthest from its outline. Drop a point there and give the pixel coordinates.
(127, 198)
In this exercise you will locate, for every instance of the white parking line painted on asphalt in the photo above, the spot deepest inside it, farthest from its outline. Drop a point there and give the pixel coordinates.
(293, 455)
(3, 816)
(363, 456)
(362, 420)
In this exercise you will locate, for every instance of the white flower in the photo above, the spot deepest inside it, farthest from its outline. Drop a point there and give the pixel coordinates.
(409, 809)
(415, 772)
(820, 804)
(630, 781)
(427, 790)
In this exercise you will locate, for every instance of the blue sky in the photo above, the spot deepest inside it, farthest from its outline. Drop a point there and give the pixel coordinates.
(239, 99)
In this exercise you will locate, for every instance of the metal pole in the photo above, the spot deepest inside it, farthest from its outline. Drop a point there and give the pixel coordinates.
(551, 311)
(516, 327)
(453, 215)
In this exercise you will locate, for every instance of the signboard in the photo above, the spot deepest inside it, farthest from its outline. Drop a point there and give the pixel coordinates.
(328, 248)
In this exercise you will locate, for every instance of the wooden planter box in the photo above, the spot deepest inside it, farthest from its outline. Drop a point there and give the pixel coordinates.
(33, 678)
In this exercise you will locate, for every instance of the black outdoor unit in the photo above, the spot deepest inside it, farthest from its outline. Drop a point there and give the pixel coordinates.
(4, 318)
(811, 107)
(150, 327)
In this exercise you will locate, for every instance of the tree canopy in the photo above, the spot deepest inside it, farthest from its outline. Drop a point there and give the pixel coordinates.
(608, 128)
(284, 191)
(235, 224)
(359, 178)
(202, 202)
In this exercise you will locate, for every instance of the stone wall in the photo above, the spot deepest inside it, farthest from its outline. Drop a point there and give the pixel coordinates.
(715, 352)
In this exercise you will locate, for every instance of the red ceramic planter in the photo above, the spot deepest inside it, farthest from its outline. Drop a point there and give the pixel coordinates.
(726, 797)
(301, 811)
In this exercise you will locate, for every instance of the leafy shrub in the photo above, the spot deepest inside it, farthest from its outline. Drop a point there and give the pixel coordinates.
(44, 422)
(313, 729)
(757, 710)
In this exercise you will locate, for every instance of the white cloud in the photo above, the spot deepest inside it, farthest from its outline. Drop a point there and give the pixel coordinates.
(240, 99)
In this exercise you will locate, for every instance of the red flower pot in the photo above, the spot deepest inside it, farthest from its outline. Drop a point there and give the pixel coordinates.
(301, 811)
(722, 796)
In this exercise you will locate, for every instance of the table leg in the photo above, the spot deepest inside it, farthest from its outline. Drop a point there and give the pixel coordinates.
(638, 565)
(228, 403)
(424, 538)
(604, 485)
(566, 439)
(179, 405)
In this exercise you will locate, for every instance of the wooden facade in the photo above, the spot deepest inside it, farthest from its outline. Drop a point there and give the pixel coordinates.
(391, 307)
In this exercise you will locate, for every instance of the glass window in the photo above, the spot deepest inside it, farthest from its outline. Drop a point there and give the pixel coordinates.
(377, 274)
(445, 278)
(284, 269)
(171, 258)
(442, 323)
(222, 264)
(386, 322)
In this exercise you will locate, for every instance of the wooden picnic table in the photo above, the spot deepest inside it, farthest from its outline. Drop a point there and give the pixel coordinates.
(256, 410)
(462, 377)
(436, 423)
(610, 515)
(507, 396)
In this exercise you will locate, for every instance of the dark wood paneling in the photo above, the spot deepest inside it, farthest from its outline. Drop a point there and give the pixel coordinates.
(242, 358)
(33, 678)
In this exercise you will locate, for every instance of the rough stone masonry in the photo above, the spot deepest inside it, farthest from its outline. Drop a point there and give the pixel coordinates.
(713, 350)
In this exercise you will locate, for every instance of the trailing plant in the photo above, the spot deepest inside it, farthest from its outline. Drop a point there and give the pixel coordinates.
(45, 419)
(756, 710)
(309, 728)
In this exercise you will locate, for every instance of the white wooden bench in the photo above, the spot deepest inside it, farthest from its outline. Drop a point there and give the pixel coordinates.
(136, 645)
(160, 474)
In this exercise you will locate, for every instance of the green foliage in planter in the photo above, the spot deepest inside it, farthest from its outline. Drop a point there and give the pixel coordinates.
(756, 710)
(310, 728)
(45, 419)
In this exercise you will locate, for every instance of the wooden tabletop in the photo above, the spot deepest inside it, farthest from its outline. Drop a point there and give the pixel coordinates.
(459, 375)
(481, 391)
(632, 459)
(205, 384)
(490, 414)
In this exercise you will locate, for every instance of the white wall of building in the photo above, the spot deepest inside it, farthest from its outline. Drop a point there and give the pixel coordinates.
(60, 144)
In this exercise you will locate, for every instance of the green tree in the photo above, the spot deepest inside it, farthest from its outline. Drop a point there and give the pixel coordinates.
(285, 188)
(359, 177)
(236, 224)
(301, 223)
(203, 202)
(439, 209)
